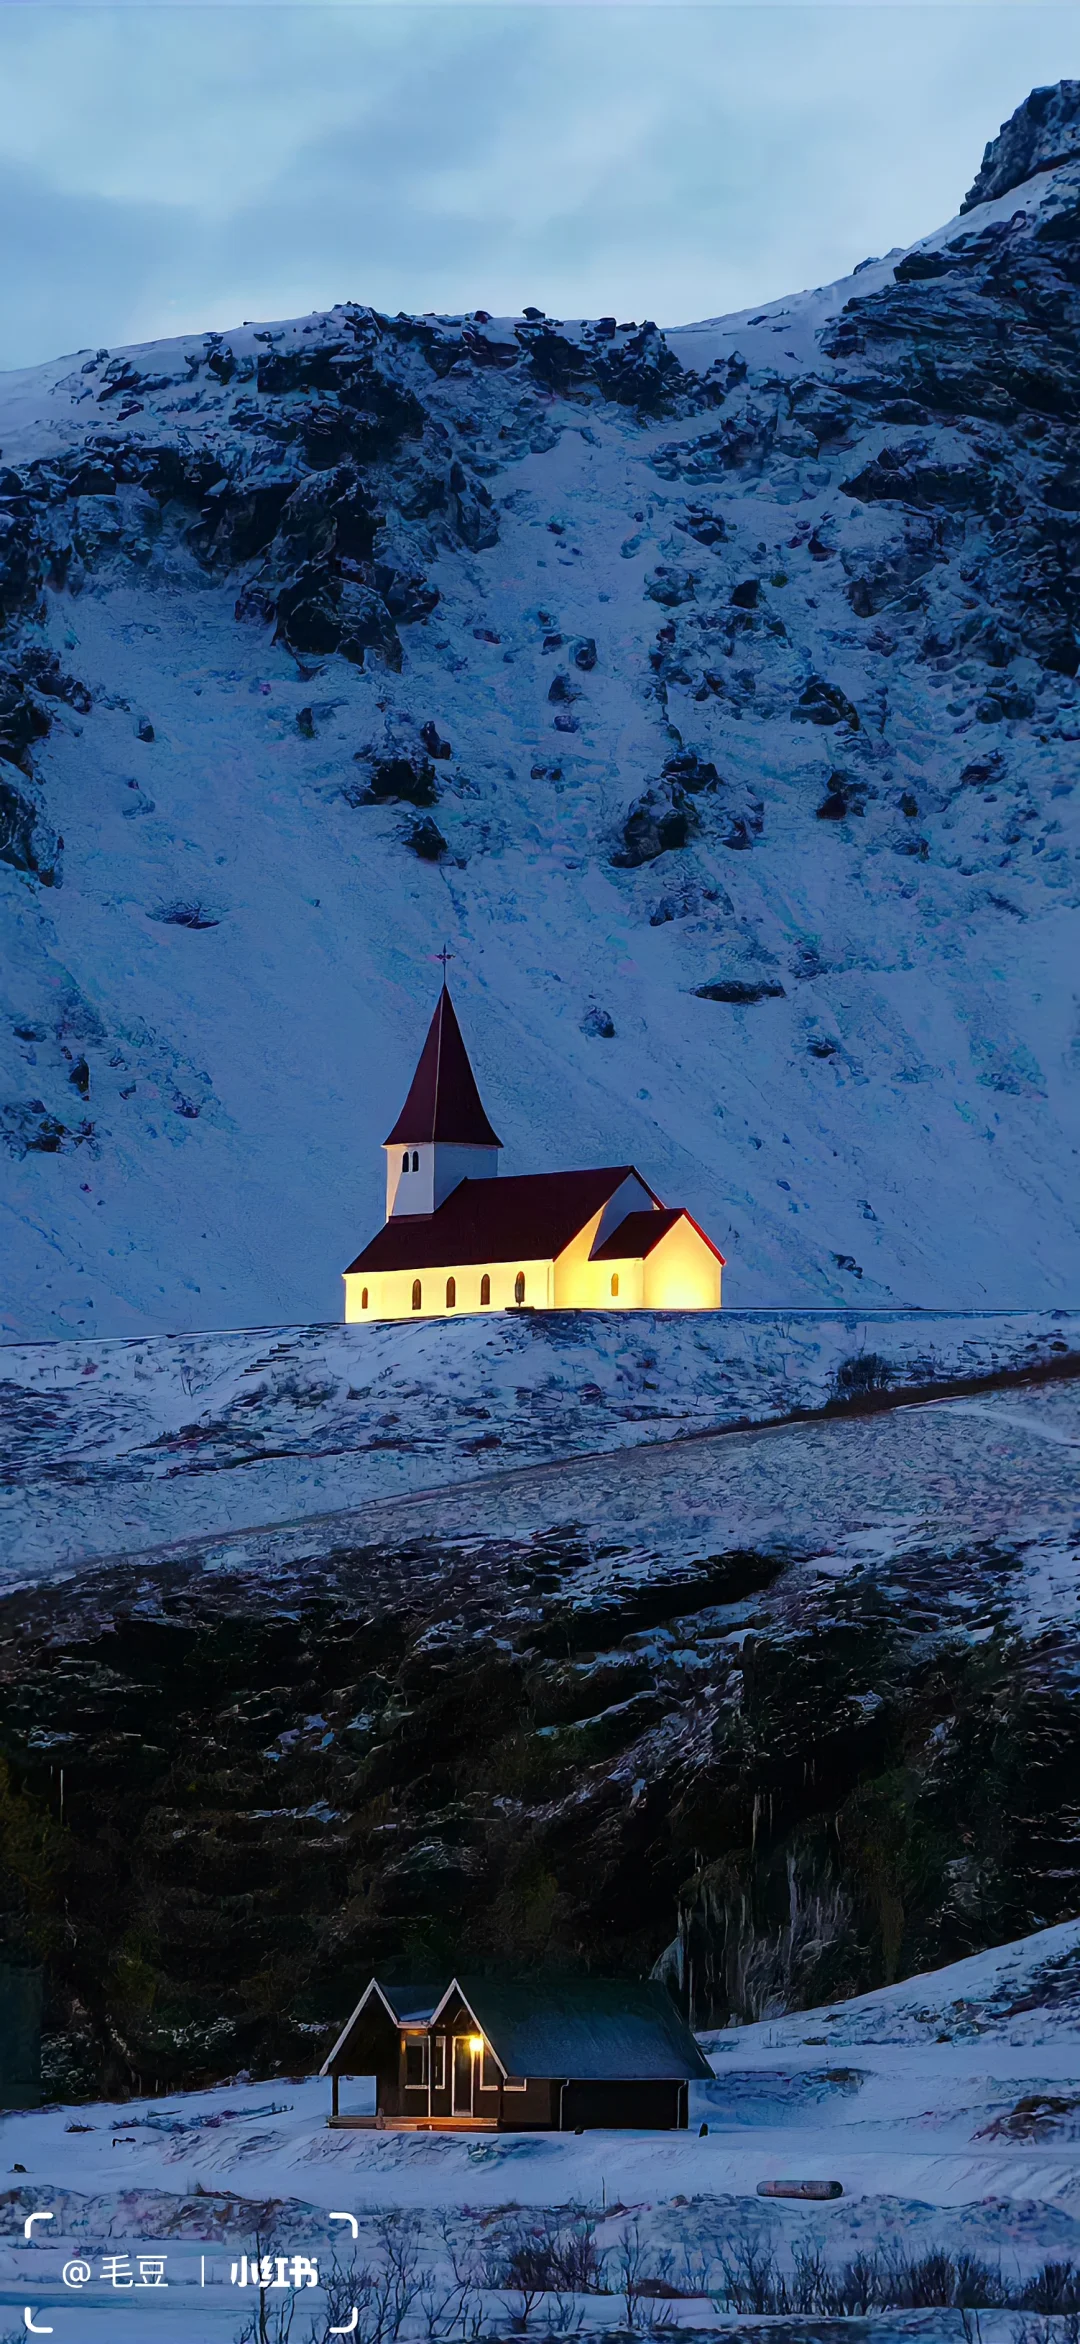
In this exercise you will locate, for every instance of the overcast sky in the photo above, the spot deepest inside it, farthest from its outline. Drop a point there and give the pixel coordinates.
(168, 168)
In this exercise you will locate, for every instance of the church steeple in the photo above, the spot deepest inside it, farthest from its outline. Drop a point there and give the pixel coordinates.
(442, 1135)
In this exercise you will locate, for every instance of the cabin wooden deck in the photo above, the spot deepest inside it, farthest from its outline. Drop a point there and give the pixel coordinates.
(413, 2123)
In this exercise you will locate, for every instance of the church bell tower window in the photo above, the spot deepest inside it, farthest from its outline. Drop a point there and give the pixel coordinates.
(485, 1291)
(416, 1297)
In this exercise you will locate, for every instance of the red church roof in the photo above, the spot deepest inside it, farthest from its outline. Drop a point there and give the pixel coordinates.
(532, 1218)
(635, 1237)
(443, 1101)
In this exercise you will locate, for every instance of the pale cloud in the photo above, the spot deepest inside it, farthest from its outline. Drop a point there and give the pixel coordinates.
(166, 168)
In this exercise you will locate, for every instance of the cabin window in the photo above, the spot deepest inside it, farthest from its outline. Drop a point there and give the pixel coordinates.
(485, 1291)
(405, 1161)
(489, 2074)
(416, 2064)
(519, 1287)
(451, 1293)
(363, 1297)
(438, 2063)
(416, 1160)
(614, 1281)
(416, 1294)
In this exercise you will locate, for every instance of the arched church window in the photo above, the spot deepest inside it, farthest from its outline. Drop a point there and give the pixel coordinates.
(416, 1293)
(519, 1287)
(405, 1161)
(416, 1160)
(485, 1291)
(451, 1293)
(614, 1281)
(363, 1297)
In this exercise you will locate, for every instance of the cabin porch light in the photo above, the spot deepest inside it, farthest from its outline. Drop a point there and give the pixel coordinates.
(476, 2043)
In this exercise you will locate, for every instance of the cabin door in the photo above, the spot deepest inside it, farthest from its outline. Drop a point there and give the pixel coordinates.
(464, 2065)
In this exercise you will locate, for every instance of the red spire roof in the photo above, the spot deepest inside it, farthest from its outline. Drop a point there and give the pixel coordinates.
(443, 1101)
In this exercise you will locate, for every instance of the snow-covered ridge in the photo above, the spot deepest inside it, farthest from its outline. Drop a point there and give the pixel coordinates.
(110, 1448)
(714, 693)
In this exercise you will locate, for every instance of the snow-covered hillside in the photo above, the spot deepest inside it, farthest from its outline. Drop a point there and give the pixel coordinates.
(712, 694)
(117, 1447)
(955, 2138)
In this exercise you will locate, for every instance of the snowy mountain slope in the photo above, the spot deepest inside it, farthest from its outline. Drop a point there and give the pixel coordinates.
(755, 840)
(113, 1448)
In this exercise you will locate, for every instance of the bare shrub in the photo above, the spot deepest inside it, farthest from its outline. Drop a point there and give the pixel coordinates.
(1056, 2288)
(550, 2253)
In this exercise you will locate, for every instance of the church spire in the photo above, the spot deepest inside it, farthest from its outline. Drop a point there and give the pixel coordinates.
(442, 1135)
(443, 1101)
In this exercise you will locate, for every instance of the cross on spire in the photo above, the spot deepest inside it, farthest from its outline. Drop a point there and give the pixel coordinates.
(446, 956)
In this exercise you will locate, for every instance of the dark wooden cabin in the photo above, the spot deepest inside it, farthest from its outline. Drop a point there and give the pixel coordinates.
(523, 2056)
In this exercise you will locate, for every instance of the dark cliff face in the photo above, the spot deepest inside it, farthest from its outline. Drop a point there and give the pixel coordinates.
(1043, 132)
(222, 1803)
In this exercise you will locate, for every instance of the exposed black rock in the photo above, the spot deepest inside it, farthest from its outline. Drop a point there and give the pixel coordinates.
(822, 703)
(397, 780)
(186, 915)
(319, 611)
(704, 527)
(659, 822)
(1044, 130)
(435, 746)
(42, 668)
(22, 720)
(426, 840)
(26, 841)
(740, 991)
(845, 795)
(671, 587)
(691, 771)
(27, 1129)
(599, 1024)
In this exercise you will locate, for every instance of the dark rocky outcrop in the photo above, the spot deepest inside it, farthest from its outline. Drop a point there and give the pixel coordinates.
(1044, 131)
(397, 780)
(22, 719)
(26, 841)
(426, 840)
(823, 703)
(481, 1755)
(741, 992)
(660, 821)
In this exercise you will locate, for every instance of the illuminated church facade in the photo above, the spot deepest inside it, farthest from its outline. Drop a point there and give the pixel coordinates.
(458, 1239)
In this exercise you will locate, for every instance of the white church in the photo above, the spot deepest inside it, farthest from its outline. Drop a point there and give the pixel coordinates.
(459, 1239)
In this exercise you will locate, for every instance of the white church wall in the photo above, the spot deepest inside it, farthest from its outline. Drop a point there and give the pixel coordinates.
(419, 1179)
(390, 1292)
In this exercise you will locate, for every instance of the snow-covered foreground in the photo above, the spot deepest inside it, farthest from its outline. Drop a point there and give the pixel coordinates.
(117, 1447)
(955, 2121)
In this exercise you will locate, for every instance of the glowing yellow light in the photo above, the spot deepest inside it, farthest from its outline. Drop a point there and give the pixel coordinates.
(476, 2042)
